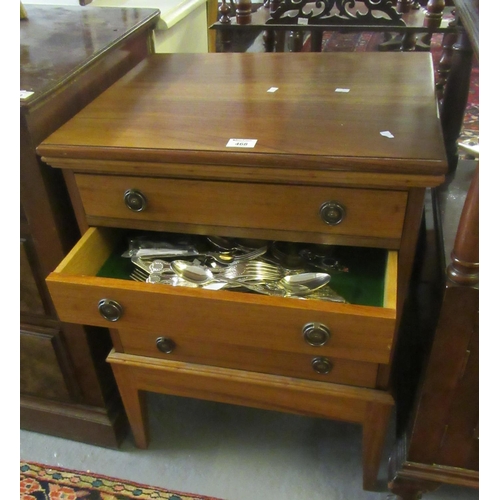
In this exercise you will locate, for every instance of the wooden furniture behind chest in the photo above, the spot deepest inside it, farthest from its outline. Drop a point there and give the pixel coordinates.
(440, 441)
(69, 55)
(346, 168)
(438, 437)
(286, 24)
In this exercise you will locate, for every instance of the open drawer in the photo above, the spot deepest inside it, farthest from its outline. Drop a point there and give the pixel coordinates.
(355, 332)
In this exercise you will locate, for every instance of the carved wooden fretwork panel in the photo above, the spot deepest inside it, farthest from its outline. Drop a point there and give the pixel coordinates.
(337, 12)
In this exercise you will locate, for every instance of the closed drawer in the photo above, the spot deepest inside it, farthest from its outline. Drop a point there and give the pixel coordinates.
(357, 332)
(173, 345)
(195, 205)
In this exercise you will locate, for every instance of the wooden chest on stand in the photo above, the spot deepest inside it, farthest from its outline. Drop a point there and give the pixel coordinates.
(326, 153)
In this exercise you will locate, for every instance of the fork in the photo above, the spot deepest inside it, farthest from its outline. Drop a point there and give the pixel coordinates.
(257, 270)
(143, 276)
(156, 270)
(139, 274)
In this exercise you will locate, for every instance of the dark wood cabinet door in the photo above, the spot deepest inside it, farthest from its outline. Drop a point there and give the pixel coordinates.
(69, 55)
(31, 298)
(44, 371)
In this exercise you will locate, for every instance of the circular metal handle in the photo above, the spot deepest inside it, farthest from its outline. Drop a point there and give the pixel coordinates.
(165, 344)
(332, 212)
(316, 334)
(134, 200)
(110, 309)
(322, 365)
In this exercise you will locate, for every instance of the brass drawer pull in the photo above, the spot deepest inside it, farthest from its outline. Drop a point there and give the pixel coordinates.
(322, 365)
(332, 213)
(110, 309)
(165, 344)
(134, 200)
(316, 334)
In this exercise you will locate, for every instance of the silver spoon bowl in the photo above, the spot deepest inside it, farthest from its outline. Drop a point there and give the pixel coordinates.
(304, 283)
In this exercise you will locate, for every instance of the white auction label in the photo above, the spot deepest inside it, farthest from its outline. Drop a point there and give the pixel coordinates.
(241, 143)
(26, 93)
(387, 134)
(342, 90)
(272, 89)
(303, 20)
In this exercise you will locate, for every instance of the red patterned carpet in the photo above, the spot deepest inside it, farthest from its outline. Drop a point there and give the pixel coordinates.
(42, 482)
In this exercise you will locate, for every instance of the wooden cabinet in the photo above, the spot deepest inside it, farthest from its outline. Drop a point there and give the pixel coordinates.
(69, 55)
(319, 173)
(438, 438)
(438, 425)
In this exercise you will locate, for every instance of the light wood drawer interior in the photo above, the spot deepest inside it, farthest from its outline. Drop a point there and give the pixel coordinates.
(196, 205)
(358, 332)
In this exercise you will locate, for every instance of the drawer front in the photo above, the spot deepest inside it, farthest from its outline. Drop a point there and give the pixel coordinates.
(360, 333)
(363, 213)
(314, 366)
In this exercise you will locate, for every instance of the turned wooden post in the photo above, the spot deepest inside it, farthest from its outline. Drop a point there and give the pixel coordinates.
(434, 13)
(444, 65)
(243, 11)
(296, 41)
(408, 42)
(224, 10)
(464, 268)
(269, 39)
(316, 40)
(404, 6)
(455, 97)
(225, 35)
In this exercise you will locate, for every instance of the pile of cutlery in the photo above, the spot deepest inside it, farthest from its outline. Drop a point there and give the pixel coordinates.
(234, 268)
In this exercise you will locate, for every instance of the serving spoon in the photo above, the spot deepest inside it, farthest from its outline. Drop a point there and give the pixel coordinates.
(304, 283)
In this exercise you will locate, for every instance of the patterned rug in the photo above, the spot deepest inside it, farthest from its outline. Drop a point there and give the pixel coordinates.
(43, 482)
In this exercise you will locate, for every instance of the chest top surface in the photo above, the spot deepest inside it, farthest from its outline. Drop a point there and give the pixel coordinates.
(361, 111)
(59, 41)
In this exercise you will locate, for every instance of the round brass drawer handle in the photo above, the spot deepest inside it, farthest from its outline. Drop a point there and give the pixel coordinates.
(110, 309)
(322, 365)
(316, 334)
(332, 213)
(134, 200)
(165, 345)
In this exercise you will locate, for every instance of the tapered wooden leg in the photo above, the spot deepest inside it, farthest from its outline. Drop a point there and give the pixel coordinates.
(134, 401)
(374, 432)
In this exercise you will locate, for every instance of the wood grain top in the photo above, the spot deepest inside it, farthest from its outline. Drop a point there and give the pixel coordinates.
(184, 108)
(58, 42)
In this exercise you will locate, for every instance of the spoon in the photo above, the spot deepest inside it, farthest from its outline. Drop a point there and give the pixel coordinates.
(304, 283)
(202, 276)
